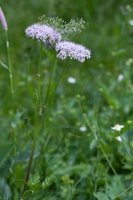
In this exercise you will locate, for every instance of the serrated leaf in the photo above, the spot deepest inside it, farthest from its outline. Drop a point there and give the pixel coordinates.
(34, 187)
(48, 181)
(35, 178)
(34, 182)
(26, 194)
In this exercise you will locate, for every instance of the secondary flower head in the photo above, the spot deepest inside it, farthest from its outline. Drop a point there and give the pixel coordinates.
(74, 51)
(3, 20)
(117, 127)
(43, 33)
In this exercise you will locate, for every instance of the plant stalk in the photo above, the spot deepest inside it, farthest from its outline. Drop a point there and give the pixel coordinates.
(12, 89)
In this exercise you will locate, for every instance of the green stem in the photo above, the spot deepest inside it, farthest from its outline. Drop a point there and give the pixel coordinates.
(39, 74)
(58, 80)
(10, 71)
(36, 129)
(97, 138)
(129, 153)
(129, 144)
(104, 153)
(51, 95)
(11, 87)
(31, 156)
(50, 81)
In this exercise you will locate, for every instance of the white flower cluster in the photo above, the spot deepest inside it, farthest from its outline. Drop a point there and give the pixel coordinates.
(43, 33)
(72, 50)
(51, 37)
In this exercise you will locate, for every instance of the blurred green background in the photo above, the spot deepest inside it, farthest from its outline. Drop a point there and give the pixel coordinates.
(75, 157)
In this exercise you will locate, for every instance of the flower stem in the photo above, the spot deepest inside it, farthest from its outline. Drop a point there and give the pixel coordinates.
(51, 95)
(39, 74)
(129, 144)
(32, 154)
(50, 81)
(11, 87)
(102, 149)
(58, 80)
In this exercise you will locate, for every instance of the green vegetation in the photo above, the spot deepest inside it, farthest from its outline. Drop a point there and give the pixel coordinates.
(77, 155)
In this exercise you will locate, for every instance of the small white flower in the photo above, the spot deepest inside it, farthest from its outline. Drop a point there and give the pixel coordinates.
(71, 80)
(119, 138)
(131, 22)
(117, 127)
(82, 128)
(120, 77)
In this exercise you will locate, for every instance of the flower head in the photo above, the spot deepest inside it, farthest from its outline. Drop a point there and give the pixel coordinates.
(74, 51)
(3, 20)
(117, 127)
(44, 33)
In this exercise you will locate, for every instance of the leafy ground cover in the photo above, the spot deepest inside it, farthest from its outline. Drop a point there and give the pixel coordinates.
(78, 156)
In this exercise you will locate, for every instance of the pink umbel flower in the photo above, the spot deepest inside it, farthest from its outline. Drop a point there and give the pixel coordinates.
(75, 51)
(3, 20)
(43, 33)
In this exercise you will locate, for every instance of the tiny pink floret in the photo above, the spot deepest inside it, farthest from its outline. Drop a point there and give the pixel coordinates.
(3, 20)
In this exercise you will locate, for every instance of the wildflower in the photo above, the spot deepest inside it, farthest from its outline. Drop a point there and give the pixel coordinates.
(119, 138)
(3, 20)
(71, 80)
(44, 33)
(120, 77)
(82, 128)
(131, 22)
(74, 51)
(117, 127)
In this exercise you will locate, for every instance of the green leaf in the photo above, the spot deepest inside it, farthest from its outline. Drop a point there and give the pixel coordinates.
(48, 181)
(24, 156)
(101, 196)
(34, 182)
(5, 190)
(4, 150)
(106, 93)
(3, 65)
(5, 167)
(26, 194)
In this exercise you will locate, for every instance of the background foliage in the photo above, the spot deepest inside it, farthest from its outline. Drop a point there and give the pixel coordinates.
(98, 101)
